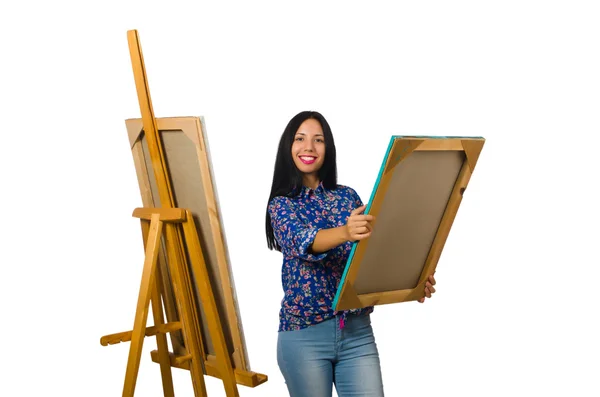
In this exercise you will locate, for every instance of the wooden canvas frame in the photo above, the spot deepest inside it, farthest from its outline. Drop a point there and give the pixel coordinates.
(415, 201)
(184, 141)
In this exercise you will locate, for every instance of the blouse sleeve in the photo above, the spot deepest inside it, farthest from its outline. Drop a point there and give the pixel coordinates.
(294, 236)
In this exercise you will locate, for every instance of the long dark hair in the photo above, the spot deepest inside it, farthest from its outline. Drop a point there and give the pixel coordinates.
(287, 178)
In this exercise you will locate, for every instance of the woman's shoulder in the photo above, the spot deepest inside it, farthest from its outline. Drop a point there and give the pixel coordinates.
(283, 202)
(280, 200)
(348, 193)
(345, 189)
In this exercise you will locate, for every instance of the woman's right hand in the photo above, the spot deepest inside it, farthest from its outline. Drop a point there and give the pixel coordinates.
(358, 226)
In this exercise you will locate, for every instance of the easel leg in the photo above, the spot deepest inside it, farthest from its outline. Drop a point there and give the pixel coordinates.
(184, 299)
(210, 306)
(161, 339)
(141, 313)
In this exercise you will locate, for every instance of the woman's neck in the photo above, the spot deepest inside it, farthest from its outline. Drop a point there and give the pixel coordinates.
(311, 181)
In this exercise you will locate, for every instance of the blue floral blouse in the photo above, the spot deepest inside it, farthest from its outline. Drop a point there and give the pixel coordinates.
(310, 281)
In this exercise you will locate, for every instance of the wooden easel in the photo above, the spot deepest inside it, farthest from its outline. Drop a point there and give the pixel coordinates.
(169, 222)
(181, 240)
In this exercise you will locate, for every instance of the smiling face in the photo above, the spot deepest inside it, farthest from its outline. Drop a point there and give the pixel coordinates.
(308, 151)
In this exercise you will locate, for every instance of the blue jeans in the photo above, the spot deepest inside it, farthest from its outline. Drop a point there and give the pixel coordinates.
(314, 359)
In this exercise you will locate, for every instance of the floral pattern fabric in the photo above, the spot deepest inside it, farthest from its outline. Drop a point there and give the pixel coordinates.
(310, 280)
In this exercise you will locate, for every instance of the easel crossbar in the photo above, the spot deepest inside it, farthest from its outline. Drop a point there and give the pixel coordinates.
(113, 339)
(244, 378)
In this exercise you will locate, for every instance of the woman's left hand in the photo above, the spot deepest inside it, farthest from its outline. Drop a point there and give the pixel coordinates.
(429, 289)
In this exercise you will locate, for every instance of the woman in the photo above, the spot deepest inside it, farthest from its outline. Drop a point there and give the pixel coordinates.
(313, 222)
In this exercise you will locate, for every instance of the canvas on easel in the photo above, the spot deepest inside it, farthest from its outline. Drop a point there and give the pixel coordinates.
(187, 157)
(186, 269)
(415, 201)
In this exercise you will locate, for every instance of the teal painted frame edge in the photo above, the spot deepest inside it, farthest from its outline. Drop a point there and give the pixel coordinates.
(375, 187)
(436, 137)
(368, 207)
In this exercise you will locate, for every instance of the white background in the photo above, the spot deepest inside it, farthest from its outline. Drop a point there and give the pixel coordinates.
(517, 303)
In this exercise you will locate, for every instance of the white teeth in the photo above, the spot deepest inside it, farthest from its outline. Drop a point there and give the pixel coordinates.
(307, 158)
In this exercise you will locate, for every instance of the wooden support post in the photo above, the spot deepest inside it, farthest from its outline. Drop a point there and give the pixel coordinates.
(153, 230)
(208, 302)
(141, 312)
(157, 312)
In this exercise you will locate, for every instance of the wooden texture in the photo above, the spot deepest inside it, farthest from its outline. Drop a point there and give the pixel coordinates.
(188, 160)
(224, 368)
(164, 214)
(157, 166)
(119, 337)
(141, 313)
(172, 171)
(415, 201)
(245, 378)
(186, 306)
(157, 310)
(173, 243)
(195, 359)
(150, 199)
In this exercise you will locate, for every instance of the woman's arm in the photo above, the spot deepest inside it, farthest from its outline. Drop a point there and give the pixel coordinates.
(327, 239)
(294, 236)
(357, 227)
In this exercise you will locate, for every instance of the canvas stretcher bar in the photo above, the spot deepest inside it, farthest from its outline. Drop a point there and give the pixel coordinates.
(415, 201)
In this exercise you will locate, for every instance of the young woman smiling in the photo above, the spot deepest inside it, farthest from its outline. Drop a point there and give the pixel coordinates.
(313, 222)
